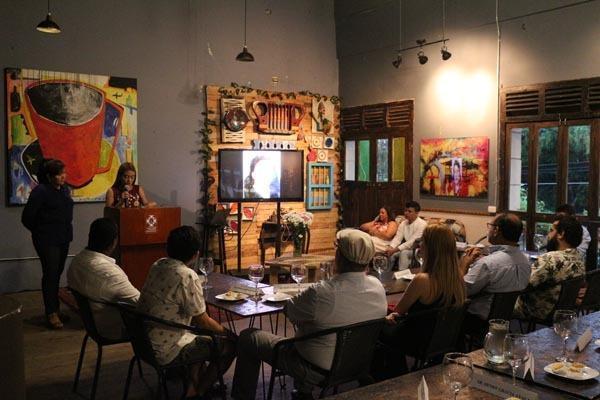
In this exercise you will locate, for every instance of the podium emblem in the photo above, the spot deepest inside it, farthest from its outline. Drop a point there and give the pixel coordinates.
(151, 224)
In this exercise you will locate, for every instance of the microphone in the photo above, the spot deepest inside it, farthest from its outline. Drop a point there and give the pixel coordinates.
(128, 188)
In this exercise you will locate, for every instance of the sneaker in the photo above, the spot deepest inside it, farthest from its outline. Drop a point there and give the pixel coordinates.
(54, 321)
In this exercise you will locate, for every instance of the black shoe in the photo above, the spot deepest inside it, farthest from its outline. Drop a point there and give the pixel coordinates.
(297, 395)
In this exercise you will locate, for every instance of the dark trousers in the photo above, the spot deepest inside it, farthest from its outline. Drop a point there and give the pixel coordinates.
(53, 259)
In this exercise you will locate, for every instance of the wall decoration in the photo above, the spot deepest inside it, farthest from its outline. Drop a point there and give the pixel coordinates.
(234, 120)
(232, 227)
(87, 121)
(321, 155)
(455, 167)
(273, 145)
(316, 142)
(278, 118)
(247, 213)
(322, 115)
(329, 143)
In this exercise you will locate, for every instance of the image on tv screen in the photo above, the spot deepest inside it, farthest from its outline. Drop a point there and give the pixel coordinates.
(262, 174)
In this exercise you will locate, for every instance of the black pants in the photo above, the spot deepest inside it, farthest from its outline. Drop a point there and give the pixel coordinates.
(53, 259)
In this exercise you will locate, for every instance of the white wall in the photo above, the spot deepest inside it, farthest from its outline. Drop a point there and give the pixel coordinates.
(457, 98)
(172, 47)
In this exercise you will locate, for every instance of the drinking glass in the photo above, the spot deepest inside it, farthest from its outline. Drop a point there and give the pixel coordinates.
(298, 274)
(539, 241)
(516, 351)
(564, 324)
(325, 268)
(380, 264)
(256, 273)
(419, 257)
(206, 266)
(457, 370)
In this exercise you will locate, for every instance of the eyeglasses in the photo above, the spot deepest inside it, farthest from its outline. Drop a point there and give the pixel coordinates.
(491, 225)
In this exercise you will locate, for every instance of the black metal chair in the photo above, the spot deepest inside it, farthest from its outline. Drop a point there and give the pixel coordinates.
(137, 323)
(85, 311)
(567, 299)
(591, 299)
(352, 357)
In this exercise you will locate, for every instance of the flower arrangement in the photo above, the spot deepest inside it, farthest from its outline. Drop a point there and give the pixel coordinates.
(297, 223)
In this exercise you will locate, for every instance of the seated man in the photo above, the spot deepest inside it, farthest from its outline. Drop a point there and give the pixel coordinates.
(411, 229)
(562, 262)
(569, 210)
(504, 269)
(94, 274)
(349, 297)
(173, 292)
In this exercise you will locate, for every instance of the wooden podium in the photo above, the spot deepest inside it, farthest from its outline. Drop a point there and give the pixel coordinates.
(143, 236)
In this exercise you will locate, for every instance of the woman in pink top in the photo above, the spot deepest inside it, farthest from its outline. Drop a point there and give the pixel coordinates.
(124, 193)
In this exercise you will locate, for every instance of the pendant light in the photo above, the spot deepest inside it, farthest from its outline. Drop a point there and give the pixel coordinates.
(245, 55)
(48, 25)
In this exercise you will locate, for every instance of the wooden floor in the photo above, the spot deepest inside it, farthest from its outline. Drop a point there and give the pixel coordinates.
(51, 358)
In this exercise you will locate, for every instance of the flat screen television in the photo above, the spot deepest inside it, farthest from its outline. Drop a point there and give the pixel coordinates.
(261, 175)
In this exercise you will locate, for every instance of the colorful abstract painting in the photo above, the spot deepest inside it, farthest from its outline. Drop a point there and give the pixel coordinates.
(87, 121)
(455, 167)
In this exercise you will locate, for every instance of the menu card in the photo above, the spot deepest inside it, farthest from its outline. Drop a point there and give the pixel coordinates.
(529, 368)
(423, 390)
(583, 340)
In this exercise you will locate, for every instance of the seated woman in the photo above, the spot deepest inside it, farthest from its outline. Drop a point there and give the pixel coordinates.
(439, 284)
(124, 193)
(382, 229)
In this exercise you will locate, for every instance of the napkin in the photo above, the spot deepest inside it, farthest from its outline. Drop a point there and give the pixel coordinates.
(246, 290)
(404, 274)
(423, 390)
(529, 368)
(583, 340)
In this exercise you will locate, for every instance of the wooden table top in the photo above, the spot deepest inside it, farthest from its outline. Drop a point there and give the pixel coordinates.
(310, 260)
(406, 386)
(546, 345)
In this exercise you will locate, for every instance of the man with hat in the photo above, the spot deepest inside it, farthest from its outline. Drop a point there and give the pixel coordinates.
(351, 296)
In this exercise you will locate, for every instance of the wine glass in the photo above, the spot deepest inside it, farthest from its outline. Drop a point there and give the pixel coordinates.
(564, 324)
(325, 268)
(419, 257)
(380, 264)
(298, 274)
(206, 266)
(539, 241)
(256, 273)
(516, 351)
(457, 370)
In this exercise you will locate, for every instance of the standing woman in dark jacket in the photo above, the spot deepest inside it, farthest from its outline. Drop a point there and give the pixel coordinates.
(49, 215)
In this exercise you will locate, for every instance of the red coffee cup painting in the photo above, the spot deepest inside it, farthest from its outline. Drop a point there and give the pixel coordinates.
(87, 121)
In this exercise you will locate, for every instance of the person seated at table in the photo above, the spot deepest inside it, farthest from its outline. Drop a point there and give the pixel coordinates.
(173, 292)
(439, 284)
(567, 210)
(560, 263)
(400, 250)
(351, 296)
(382, 229)
(124, 193)
(504, 269)
(95, 275)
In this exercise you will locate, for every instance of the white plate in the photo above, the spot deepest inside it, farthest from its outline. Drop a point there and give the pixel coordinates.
(597, 342)
(236, 297)
(277, 297)
(585, 374)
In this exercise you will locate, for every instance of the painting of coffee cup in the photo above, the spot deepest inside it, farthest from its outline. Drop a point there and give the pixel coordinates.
(69, 119)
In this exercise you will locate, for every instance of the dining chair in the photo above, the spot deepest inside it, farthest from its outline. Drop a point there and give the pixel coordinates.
(567, 299)
(354, 349)
(591, 299)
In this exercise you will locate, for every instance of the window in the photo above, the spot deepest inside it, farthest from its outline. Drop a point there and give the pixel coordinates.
(382, 160)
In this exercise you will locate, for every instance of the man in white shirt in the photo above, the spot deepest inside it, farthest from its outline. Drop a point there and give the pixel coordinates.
(349, 297)
(400, 249)
(568, 210)
(94, 274)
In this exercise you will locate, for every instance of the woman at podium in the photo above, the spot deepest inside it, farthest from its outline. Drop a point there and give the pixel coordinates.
(124, 193)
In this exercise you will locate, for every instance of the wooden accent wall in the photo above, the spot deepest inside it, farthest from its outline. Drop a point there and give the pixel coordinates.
(323, 228)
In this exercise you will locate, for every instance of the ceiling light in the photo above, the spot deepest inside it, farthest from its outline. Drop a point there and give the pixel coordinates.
(396, 63)
(445, 53)
(422, 58)
(48, 25)
(245, 55)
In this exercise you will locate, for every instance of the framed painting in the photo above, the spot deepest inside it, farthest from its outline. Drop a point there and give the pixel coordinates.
(456, 167)
(89, 122)
(322, 115)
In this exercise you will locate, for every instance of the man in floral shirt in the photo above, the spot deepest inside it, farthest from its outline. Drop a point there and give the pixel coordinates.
(562, 262)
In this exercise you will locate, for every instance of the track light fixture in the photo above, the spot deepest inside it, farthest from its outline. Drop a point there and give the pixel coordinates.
(396, 63)
(48, 25)
(445, 53)
(245, 55)
(422, 58)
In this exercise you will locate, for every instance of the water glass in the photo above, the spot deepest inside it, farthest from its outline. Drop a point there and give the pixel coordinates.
(206, 266)
(539, 241)
(516, 352)
(380, 264)
(457, 371)
(298, 274)
(565, 322)
(325, 268)
(256, 273)
(419, 257)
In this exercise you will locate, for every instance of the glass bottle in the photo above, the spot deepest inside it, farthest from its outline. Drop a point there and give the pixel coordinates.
(493, 344)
